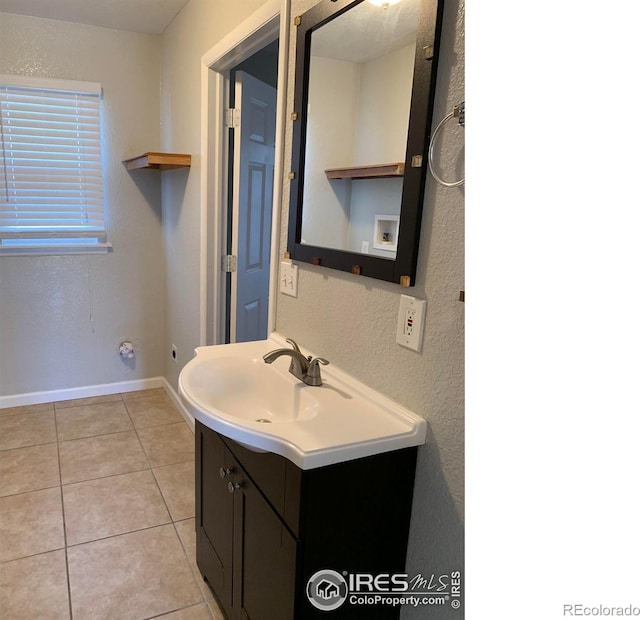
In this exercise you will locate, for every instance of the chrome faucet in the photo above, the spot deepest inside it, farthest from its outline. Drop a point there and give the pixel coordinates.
(304, 368)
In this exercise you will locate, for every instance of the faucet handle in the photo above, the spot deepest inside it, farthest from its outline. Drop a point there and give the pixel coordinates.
(294, 344)
(313, 373)
(315, 360)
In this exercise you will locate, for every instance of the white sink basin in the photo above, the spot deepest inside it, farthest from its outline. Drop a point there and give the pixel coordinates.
(230, 389)
(247, 389)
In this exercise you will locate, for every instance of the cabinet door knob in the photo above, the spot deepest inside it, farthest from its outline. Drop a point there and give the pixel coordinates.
(233, 486)
(224, 472)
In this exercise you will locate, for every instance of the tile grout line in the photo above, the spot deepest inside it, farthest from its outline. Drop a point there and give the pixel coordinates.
(126, 473)
(31, 445)
(117, 535)
(53, 486)
(164, 499)
(64, 523)
(133, 471)
(173, 611)
(94, 436)
(99, 402)
(135, 430)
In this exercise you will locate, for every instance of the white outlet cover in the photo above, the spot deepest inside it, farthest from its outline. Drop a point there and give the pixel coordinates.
(411, 317)
(289, 279)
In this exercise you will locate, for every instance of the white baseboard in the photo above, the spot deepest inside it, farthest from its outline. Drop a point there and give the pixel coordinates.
(177, 401)
(35, 398)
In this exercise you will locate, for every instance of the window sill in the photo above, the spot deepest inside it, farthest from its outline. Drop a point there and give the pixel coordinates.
(55, 250)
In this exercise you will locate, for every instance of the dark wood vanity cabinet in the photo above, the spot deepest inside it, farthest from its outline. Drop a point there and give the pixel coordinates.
(264, 526)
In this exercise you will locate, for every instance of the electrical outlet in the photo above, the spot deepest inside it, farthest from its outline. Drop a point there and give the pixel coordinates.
(289, 278)
(174, 353)
(411, 322)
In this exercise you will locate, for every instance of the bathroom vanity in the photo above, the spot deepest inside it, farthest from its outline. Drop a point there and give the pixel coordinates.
(264, 526)
(293, 480)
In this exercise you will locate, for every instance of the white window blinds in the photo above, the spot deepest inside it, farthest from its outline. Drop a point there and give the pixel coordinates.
(51, 164)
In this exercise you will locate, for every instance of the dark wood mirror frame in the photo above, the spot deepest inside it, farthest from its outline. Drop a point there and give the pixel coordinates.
(402, 270)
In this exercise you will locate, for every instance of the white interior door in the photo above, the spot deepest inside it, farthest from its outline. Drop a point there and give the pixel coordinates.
(254, 156)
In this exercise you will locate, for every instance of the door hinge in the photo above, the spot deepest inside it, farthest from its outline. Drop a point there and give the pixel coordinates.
(229, 263)
(232, 118)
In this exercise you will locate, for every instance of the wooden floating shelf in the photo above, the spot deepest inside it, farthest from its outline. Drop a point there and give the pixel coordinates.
(375, 171)
(158, 161)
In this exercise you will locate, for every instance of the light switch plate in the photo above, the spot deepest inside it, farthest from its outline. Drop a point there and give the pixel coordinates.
(411, 322)
(289, 278)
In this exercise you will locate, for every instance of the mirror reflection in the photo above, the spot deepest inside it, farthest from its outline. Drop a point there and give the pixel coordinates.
(359, 98)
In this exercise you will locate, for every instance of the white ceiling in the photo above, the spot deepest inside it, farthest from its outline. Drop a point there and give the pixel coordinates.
(150, 16)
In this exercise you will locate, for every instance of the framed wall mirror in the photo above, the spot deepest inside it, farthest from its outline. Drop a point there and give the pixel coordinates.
(364, 87)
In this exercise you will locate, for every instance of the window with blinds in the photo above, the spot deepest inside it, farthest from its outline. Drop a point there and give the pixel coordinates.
(51, 192)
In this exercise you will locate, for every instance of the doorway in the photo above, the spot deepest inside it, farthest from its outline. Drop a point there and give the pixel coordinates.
(251, 123)
(241, 189)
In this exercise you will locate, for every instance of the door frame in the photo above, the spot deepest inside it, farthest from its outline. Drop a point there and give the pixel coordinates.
(263, 26)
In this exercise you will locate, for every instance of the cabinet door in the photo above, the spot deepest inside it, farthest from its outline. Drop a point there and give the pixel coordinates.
(215, 516)
(265, 561)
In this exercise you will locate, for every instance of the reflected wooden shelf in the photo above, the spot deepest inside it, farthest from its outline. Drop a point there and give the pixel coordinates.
(158, 161)
(374, 171)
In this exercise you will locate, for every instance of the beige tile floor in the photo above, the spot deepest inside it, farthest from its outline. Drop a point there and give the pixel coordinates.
(97, 512)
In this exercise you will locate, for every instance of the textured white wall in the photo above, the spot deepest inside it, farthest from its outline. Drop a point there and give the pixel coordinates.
(352, 322)
(46, 337)
(333, 104)
(383, 111)
(196, 29)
